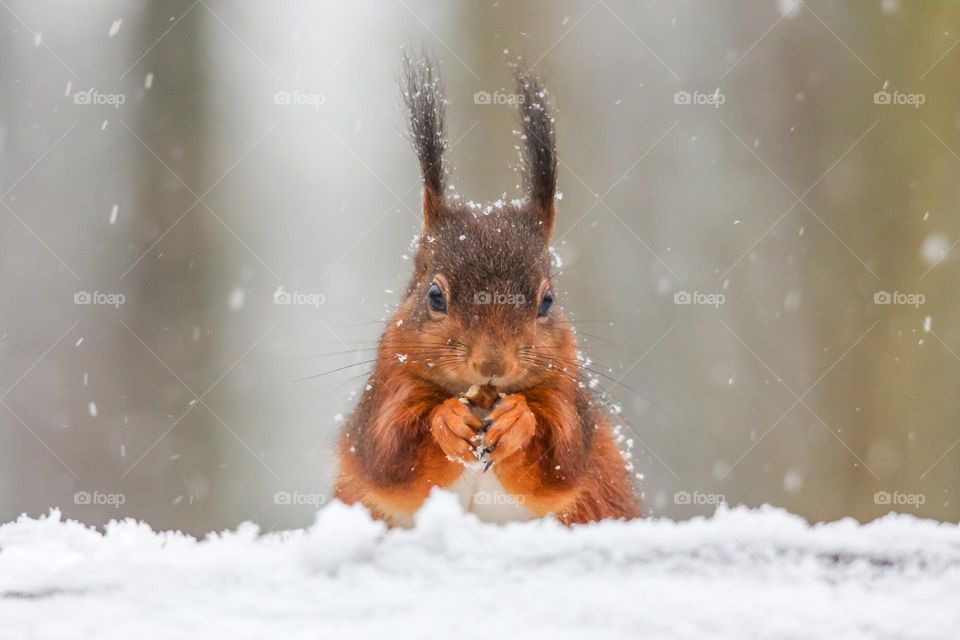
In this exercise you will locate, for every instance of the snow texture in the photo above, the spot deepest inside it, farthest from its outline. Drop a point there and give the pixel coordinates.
(741, 574)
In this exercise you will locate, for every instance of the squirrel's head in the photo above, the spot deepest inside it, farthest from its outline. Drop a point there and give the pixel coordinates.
(480, 308)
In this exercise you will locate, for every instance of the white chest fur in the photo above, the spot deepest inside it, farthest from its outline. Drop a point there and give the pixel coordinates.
(482, 494)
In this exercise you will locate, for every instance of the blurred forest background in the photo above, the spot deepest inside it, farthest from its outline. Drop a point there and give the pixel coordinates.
(173, 170)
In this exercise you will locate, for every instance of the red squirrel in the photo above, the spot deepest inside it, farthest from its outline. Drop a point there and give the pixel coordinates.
(479, 314)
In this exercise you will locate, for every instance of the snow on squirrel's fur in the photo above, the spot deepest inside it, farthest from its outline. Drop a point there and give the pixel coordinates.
(741, 573)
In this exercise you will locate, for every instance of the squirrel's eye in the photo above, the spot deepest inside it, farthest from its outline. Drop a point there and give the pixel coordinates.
(545, 304)
(435, 297)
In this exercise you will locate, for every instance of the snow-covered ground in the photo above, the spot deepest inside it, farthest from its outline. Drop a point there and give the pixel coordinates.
(741, 574)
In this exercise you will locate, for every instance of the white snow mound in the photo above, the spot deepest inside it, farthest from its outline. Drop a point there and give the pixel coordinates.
(743, 573)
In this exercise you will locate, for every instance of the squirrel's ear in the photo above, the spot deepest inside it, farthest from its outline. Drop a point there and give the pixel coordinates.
(423, 98)
(540, 147)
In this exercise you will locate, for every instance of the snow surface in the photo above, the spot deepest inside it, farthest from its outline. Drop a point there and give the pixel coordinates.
(741, 574)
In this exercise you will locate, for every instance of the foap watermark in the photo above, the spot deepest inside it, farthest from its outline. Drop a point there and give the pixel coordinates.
(497, 498)
(497, 98)
(898, 499)
(99, 298)
(495, 297)
(899, 98)
(93, 97)
(299, 98)
(714, 99)
(697, 498)
(699, 298)
(282, 296)
(86, 498)
(899, 297)
(298, 498)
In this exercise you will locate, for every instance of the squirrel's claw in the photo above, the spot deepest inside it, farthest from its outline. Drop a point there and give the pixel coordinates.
(513, 426)
(454, 428)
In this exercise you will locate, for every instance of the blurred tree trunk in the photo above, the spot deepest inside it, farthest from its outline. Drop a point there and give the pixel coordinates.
(910, 417)
(171, 314)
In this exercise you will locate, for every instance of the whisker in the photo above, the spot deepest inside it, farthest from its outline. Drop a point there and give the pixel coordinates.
(436, 350)
(334, 353)
(547, 359)
(329, 388)
(579, 362)
(554, 370)
(326, 373)
(579, 332)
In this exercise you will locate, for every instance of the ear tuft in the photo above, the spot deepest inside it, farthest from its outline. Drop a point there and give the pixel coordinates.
(536, 123)
(423, 97)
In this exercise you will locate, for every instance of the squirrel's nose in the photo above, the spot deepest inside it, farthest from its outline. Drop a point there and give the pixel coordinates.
(492, 368)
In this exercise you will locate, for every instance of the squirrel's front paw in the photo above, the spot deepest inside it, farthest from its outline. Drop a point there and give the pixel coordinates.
(454, 427)
(512, 425)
